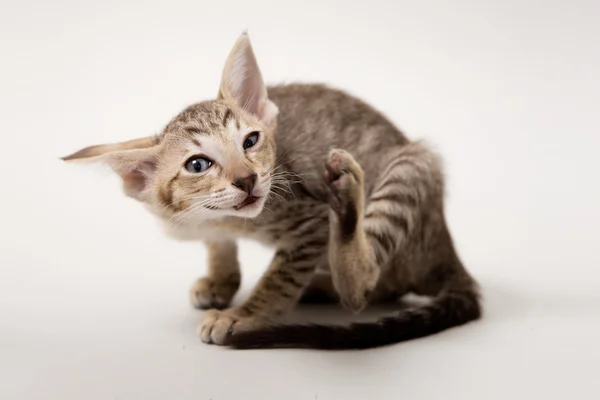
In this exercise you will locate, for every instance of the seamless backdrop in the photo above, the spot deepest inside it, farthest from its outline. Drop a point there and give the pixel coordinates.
(93, 298)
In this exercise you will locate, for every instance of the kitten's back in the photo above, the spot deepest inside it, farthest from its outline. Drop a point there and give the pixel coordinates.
(315, 118)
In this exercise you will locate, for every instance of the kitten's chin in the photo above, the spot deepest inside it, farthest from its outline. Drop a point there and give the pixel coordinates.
(251, 207)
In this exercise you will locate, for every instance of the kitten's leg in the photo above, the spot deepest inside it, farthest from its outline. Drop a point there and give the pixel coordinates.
(351, 261)
(277, 292)
(218, 288)
(360, 245)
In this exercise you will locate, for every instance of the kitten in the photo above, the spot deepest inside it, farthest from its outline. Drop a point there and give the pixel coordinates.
(353, 208)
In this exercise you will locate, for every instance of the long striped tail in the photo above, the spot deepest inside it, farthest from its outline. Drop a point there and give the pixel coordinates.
(448, 310)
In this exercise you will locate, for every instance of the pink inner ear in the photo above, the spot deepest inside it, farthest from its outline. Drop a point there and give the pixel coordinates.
(134, 182)
(249, 94)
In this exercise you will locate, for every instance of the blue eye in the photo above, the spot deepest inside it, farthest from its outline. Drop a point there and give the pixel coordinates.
(250, 140)
(198, 164)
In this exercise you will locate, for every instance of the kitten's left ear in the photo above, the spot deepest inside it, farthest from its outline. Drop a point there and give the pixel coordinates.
(242, 83)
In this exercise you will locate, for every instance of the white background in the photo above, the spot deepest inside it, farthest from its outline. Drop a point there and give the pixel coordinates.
(93, 298)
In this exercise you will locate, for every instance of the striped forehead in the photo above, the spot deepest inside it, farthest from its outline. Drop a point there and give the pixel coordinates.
(205, 119)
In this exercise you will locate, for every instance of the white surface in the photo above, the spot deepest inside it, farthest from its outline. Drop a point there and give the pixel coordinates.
(93, 299)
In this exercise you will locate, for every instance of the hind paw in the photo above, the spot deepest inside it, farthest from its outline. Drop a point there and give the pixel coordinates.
(344, 177)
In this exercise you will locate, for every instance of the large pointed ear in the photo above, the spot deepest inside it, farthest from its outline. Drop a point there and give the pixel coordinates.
(135, 161)
(242, 83)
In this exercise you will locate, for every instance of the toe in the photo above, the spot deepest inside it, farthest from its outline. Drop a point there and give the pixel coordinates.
(206, 326)
(221, 329)
(332, 170)
(205, 331)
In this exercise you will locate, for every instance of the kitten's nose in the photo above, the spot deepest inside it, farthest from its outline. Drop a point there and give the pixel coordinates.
(246, 184)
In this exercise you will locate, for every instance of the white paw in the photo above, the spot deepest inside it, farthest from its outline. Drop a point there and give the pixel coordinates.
(218, 325)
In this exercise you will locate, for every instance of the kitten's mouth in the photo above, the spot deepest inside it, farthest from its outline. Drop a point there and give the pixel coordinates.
(246, 202)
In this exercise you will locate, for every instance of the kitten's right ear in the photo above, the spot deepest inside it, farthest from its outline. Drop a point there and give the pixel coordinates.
(242, 83)
(134, 160)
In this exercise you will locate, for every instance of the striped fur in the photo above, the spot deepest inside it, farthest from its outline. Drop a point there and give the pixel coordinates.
(354, 209)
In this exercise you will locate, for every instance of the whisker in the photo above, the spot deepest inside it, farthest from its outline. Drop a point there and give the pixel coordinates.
(278, 195)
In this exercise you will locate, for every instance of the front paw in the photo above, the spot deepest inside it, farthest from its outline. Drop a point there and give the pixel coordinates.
(210, 293)
(218, 325)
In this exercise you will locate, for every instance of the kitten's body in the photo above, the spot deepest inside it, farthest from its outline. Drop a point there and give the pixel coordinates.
(372, 223)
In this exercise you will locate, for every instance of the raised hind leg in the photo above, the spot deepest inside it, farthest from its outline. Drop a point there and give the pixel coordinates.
(353, 268)
(364, 237)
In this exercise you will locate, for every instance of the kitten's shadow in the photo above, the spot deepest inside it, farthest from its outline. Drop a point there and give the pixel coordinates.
(336, 314)
(502, 304)
(500, 301)
(332, 313)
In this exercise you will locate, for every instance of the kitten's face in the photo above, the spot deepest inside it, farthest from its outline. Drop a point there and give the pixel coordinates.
(216, 160)
(213, 160)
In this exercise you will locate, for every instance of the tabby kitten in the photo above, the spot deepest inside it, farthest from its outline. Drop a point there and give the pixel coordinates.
(353, 208)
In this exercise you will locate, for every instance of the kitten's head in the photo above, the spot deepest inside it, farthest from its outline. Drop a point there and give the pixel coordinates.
(215, 159)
